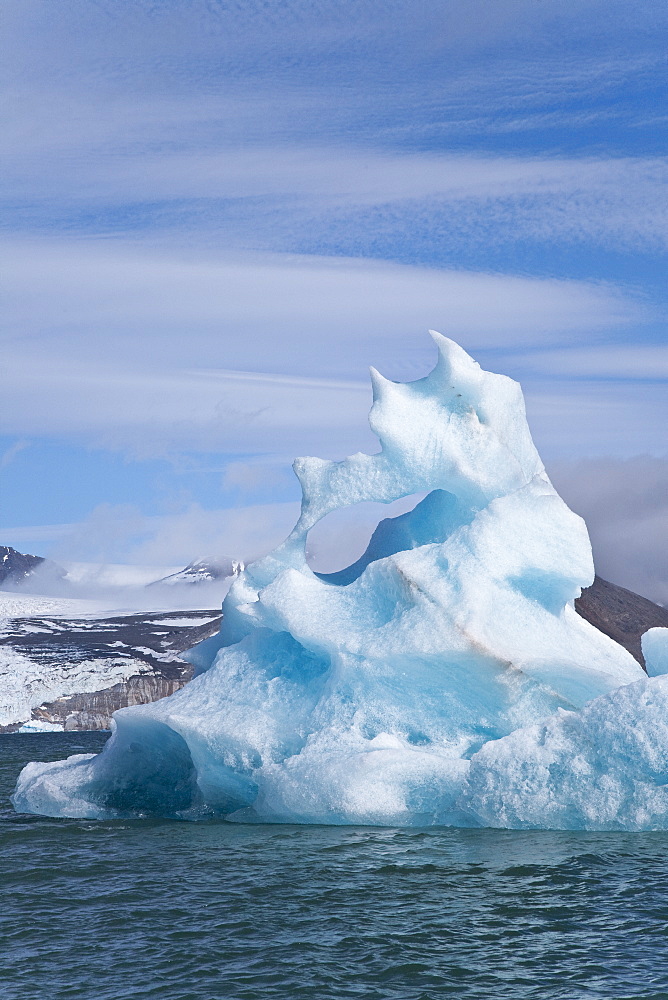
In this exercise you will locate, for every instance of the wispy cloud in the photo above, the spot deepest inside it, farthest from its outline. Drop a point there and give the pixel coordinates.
(106, 341)
(586, 417)
(279, 308)
(10, 453)
(604, 361)
(120, 533)
(266, 127)
(205, 207)
(155, 412)
(280, 196)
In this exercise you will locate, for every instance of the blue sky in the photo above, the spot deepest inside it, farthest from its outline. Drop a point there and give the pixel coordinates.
(217, 215)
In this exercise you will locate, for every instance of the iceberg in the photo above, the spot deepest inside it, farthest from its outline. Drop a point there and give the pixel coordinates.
(603, 768)
(41, 726)
(442, 678)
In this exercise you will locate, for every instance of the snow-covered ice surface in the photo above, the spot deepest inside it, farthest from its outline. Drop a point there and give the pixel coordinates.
(184, 622)
(444, 678)
(51, 648)
(26, 683)
(23, 605)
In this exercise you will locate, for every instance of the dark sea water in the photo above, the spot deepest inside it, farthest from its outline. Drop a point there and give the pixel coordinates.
(217, 911)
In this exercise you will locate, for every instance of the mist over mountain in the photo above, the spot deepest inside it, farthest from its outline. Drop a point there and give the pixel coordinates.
(18, 567)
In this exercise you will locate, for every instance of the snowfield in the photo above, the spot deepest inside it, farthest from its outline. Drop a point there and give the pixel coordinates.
(20, 605)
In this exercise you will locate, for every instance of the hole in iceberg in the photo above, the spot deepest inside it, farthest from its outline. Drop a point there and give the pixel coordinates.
(428, 519)
(342, 537)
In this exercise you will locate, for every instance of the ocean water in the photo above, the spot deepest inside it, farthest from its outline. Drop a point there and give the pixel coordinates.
(218, 911)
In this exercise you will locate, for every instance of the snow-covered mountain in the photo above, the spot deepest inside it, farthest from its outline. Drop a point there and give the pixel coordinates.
(17, 567)
(112, 587)
(204, 571)
(77, 644)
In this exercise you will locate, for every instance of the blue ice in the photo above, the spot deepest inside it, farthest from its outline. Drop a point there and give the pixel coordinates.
(443, 678)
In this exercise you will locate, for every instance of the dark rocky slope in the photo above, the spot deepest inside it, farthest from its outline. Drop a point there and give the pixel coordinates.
(16, 567)
(621, 614)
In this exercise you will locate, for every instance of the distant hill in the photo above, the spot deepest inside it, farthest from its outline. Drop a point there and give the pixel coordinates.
(621, 614)
(203, 571)
(15, 567)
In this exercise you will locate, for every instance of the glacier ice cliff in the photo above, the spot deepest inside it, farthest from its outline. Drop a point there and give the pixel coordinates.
(443, 678)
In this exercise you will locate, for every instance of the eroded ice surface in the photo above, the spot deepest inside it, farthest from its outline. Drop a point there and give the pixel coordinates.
(440, 679)
(655, 651)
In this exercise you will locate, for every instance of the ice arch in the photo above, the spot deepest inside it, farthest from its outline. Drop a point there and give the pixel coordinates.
(350, 535)
(368, 698)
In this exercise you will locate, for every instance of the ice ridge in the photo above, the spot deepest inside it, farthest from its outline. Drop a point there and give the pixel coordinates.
(443, 678)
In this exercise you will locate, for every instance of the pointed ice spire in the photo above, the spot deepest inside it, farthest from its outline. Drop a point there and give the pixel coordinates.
(455, 370)
(380, 385)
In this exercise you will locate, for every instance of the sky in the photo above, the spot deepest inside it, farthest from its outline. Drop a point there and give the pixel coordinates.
(216, 215)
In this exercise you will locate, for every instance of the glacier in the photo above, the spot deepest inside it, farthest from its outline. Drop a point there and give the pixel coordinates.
(443, 678)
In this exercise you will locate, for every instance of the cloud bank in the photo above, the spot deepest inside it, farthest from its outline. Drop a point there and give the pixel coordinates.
(216, 216)
(625, 505)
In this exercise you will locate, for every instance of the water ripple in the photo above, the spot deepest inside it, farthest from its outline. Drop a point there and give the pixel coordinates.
(217, 911)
